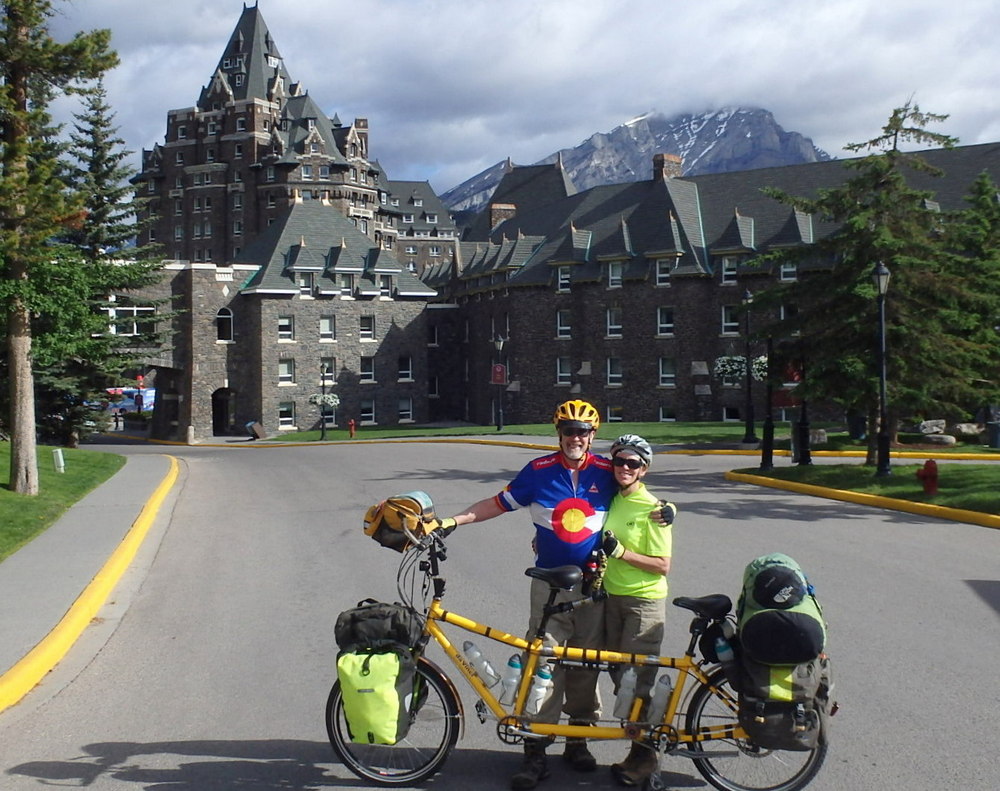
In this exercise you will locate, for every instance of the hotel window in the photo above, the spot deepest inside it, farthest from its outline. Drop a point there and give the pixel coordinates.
(238, 151)
(346, 284)
(131, 320)
(237, 227)
(411, 249)
(241, 124)
(210, 155)
(615, 269)
(237, 200)
(663, 267)
(564, 373)
(385, 285)
(179, 158)
(614, 322)
(328, 371)
(178, 206)
(327, 328)
(405, 409)
(324, 172)
(405, 368)
(307, 172)
(368, 411)
(614, 370)
(286, 372)
(730, 320)
(304, 280)
(178, 233)
(286, 328)
(434, 251)
(286, 415)
(729, 267)
(668, 414)
(432, 218)
(563, 327)
(668, 372)
(367, 328)
(664, 321)
(407, 218)
(562, 278)
(367, 373)
(270, 173)
(182, 132)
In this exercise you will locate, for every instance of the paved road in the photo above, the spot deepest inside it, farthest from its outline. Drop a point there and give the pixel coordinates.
(210, 670)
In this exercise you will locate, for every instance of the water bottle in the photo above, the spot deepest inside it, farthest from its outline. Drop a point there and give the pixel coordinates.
(511, 679)
(661, 696)
(727, 658)
(626, 694)
(541, 688)
(487, 674)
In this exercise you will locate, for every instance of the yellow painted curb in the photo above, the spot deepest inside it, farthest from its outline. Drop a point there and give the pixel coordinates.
(22, 677)
(923, 509)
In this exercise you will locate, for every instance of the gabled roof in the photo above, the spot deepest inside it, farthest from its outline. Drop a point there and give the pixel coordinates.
(251, 53)
(316, 237)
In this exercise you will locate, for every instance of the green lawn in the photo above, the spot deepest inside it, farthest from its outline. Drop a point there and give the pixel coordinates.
(23, 517)
(972, 487)
(655, 433)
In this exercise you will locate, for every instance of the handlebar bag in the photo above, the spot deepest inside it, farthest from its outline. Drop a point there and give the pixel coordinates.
(385, 521)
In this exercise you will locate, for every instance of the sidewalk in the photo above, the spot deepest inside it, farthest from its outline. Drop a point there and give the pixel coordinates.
(41, 581)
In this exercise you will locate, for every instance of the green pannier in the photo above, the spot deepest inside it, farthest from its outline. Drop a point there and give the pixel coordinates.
(376, 668)
(377, 690)
(785, 707)
(779, 621)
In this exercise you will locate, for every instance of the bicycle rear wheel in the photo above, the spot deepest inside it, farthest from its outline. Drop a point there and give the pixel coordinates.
(738, 764)
(432, 735)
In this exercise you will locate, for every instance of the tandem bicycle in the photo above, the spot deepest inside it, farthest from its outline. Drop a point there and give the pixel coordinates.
(699, 722)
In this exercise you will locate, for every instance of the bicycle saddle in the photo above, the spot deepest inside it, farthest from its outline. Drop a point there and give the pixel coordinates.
(564, 577)
(714, 606)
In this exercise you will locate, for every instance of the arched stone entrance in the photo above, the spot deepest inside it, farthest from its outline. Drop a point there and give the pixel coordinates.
(223, 412)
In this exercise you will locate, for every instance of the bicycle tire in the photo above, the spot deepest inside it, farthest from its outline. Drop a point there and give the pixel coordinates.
(432, 735)
(749, 768)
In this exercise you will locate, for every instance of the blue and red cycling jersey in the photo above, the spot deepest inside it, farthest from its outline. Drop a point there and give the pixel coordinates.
(568, 518)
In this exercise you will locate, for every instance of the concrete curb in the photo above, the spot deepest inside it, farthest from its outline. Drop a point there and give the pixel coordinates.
(25, 675)
(874, 500)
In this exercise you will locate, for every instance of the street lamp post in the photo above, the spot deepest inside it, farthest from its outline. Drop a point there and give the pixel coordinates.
(767, 446)
(881, 276)
(498, 343)
(323, 370)
(749, 436)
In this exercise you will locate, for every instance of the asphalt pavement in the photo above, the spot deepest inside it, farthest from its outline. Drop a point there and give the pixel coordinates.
(41, 582)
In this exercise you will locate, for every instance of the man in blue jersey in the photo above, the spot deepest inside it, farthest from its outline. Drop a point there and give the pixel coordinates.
(568, 494)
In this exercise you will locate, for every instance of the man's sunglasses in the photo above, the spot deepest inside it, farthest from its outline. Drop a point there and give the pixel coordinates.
(631, 463)
(570, 431)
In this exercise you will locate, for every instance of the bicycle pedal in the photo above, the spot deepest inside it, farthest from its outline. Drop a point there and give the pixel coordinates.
(481, 711)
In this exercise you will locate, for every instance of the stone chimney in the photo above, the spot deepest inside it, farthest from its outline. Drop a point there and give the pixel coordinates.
(500, 212)
(666, 166)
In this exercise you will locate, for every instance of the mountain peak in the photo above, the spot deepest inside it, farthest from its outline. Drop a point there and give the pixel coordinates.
(714, 141)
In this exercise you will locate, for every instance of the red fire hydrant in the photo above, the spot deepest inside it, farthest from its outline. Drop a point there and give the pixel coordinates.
(351, 425)
(928, 476)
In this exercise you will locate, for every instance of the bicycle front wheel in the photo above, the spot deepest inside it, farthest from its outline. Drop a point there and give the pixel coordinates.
(432, 735)
(732, 764)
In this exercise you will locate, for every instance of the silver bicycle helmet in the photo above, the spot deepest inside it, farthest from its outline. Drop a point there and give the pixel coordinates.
(634, 443)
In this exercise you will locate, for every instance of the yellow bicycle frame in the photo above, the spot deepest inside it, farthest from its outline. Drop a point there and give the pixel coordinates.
(536, 649)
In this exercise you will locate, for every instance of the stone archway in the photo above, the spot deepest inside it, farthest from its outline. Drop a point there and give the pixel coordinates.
(223, 412)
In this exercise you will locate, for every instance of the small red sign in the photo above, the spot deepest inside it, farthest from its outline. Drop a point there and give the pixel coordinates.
(498, 374)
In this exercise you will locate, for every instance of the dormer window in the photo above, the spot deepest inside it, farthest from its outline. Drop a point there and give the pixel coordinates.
(418, 201)
(407, 218)
(310, 123)
(238, 80)
(729, 266)
(432, 218)
(663, 267)
(615, 269)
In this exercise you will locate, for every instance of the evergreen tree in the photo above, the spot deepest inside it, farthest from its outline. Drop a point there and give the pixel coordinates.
(34, 205)
(934, 356)
(100, 174)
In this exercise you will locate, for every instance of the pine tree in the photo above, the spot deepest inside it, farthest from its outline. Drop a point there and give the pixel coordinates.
(100, 174)
(34, 205)
(932, 304)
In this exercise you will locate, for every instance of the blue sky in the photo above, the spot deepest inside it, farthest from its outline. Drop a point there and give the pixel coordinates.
(451, 87)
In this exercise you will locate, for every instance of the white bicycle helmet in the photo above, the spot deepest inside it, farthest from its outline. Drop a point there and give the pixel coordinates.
(634, 443)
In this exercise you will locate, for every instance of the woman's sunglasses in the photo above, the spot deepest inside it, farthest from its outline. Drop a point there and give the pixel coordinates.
(622, 461)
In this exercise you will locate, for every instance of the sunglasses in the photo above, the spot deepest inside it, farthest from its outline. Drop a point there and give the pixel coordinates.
(574, 432)
(631, 463)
